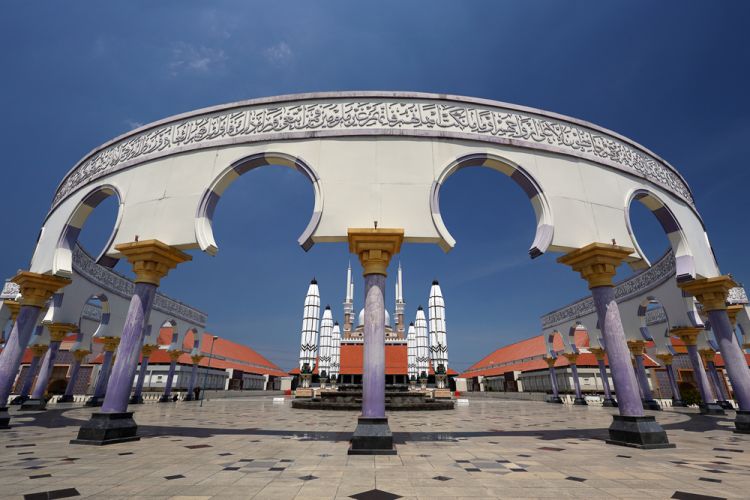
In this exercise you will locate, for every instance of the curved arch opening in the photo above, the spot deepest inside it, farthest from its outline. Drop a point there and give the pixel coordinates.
(92, 225)
(652, 219)
(94, 318)
(654, 323)
(579, 336)
(205, 212)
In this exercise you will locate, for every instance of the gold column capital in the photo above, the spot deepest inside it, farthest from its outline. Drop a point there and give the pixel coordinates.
(572, 357)
(151, 259)
(58, 331)
(111, 343)
(688, 334)
(598, 352)
(38, 350)
(196, 359)
(707, 354)
(36, 289)
(80, 354)
(596, 262)
(375, 247)
(148, 349)
(732, 311)
(665, 358)
(711, 292)
(14, 307)
(637, 347)
(174, 355)
(550, 361)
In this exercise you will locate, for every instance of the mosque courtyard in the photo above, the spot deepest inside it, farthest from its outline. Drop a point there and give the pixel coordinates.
(253, 447)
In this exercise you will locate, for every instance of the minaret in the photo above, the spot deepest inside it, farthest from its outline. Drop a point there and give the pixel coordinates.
(400, 304)
(309, 342)
(438, 339)
(324, 356)
(423, 353)
(335, 350)
(411, 352)
(349, 302)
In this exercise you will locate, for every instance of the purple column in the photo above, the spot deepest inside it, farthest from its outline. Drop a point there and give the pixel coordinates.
(734, 360)
(553, 379)
(46, 370)
(121, 382)
(141, 378)
(70, 388)
(605, 378)
(640, 373)
(676, 396)
(719, 388)
(10, 358)
(168, 387)
(707, 393)
(373, 377)
(576, 382)
(626, 386)
(191, 384)
(104, 371)
(29, 378)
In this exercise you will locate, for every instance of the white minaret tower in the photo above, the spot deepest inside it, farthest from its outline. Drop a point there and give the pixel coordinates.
(411, 352)
(400, 304)
(335, 350)
(324, 355)
(423, 353)
(349, 302)
(309, 343)
(438, 339)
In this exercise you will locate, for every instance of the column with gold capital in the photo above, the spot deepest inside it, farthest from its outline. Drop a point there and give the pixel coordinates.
(722, 398)
(666, 360)
(636, 348)
(151, 261)
(196, 359)
(374, 247)
(110, 345)
(689, 336)
(14, 307)
(57, 331)
(78, 356)
(146, 351)
(712, 294)
(572, 357)
(36, 289)
(37, 352)
(555, 398)
(174, 355)
(599, 353)
(597, 263)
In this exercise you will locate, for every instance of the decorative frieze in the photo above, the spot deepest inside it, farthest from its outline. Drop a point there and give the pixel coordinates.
(367, 114)
(10, 290)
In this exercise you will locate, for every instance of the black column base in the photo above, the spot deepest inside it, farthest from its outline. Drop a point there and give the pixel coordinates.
(651, 404)
(166, 398)
(94, 401)
(135, 400)
(34, 404)
(609, 403)
(18, 400)
(726, 405)
(107, 428)
(580, 402)
(637, 432)
(372, 437)
(554, 399)
(741, 422)
(678, 403)
(189, 397)
(66, 398)
(711, 409)
(4, 418)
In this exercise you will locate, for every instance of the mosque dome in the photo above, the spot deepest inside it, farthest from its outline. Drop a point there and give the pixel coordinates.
(361, 318)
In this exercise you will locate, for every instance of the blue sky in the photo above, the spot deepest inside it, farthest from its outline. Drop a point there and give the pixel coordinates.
(671, 75)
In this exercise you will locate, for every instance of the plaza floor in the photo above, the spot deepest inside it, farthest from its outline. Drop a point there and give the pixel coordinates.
(255, 448)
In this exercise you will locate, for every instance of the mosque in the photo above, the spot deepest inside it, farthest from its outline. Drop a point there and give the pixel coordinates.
(330, 353)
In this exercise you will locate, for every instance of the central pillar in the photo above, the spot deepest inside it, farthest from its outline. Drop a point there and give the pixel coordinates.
(555, 398)
(572, 358)
(712, 293)
(78, 357)
(689, 336)
(151, 261)
(598, 353)
(57, 331)
(374, 247)
(597, 263)
(36, 289)
(636, 349)
(666, 360)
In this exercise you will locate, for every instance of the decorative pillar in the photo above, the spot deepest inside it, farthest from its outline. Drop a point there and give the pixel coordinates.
(636, 349)
(712, 293)
(689, 336)
(14, 307)
(78, 357)
(374, 247)
(36, 289)
(110, 345)
(37, 350)
(666, 360)
(598, 353)
(722, 398)
(151, 261)
(57, 331)
(193, 376)
(555, 398)
(572, 358)
(167, 396)
(146, 351)
(597, 263)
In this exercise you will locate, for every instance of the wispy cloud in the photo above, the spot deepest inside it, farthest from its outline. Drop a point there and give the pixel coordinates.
(279, 54)
(133, 124)
(188, 58)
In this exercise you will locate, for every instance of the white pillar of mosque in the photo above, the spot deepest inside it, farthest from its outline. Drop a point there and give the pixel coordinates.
(335, 353)
(324, 352)
(309, 343)
(349, 301)
(400, 304)
(438, 338)
(411, 354)
(423, 353)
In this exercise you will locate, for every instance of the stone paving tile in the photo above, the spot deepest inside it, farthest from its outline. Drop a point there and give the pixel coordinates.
(488, 449)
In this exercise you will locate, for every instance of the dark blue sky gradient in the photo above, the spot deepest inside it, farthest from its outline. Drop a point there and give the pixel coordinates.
(671, 75)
